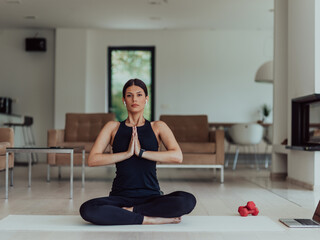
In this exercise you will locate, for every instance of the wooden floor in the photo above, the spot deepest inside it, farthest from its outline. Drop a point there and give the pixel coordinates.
(274, 199)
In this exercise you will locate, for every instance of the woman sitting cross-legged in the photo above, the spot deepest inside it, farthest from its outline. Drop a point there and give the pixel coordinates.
(135, 197)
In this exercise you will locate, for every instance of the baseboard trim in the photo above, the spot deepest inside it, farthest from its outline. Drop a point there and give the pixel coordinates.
(278, 176)
(301, 183)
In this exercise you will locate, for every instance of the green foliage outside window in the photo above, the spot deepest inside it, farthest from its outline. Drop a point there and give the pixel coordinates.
(128, 64)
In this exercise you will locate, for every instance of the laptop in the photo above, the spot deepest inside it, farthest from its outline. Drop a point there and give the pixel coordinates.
(304, 223)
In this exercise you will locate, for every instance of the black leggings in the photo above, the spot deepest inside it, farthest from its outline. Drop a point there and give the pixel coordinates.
(108, 210)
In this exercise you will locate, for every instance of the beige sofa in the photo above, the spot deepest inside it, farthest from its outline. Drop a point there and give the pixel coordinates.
(201, 148)
(6, 140)
(81, 130)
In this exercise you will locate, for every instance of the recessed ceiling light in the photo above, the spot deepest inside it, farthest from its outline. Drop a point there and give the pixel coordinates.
(30, 17)
(155, 18)
(157, 2)
(13, 1)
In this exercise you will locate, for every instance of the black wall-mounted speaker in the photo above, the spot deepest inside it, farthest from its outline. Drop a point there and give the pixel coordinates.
(36, 44)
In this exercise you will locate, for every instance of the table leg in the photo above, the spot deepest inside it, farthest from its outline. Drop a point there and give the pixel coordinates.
(48, 172)
(222, 174)
(59, 172)
(71, 175)
(29, 168)
(7, 174)
(11, 177)
(83, 166)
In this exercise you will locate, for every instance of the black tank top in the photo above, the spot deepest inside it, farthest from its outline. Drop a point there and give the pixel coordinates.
(135, 177)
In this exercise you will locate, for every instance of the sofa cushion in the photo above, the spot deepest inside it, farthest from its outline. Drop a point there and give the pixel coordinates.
(85, 127)
(3, 162)
(3, 146)
(197, 147)
(7, 135)
(87, 145)
(64, 159)
(194, 147)
(188, 128)
(197, 159)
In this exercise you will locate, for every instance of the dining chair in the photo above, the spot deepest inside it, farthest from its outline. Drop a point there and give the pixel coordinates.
(246, 135)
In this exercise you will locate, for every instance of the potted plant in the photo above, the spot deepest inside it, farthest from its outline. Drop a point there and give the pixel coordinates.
(266, 110)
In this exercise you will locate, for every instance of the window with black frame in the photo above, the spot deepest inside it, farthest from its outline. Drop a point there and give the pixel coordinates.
(125, 63)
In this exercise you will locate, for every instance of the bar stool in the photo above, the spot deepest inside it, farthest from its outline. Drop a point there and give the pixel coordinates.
(27, 132)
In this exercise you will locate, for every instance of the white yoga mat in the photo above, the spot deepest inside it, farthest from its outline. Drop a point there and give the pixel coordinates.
(188, 224)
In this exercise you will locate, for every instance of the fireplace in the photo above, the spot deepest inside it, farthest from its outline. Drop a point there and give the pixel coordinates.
(306, 123)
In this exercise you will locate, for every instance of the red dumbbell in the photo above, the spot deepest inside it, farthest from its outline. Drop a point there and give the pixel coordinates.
(243, 211)
(251, 205)
(250, 208)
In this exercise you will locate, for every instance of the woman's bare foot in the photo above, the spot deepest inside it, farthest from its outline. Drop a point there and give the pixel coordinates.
(128, 208)
(156, 220)
(159, 220)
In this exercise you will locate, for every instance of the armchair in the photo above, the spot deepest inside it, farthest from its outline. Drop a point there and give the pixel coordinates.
(201, 147)
(81, 129)
(6, 140)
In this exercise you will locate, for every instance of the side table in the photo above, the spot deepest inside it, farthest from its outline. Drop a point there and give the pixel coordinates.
(43, 150)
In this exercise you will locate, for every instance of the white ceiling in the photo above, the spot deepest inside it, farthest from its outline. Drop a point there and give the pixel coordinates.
(138, 14)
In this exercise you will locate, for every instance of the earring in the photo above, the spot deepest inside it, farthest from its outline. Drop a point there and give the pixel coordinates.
(146, 101)
(124, 103)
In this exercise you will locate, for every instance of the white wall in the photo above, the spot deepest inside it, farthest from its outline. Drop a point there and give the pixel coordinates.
(197, 72)
(96, 81)
(70, 73)
(280, 87)
(302, 58)
(317, 46)
(29, 78)
(301, 79)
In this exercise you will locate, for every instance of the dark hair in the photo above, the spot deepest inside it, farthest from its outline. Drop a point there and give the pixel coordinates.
(136, 82)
